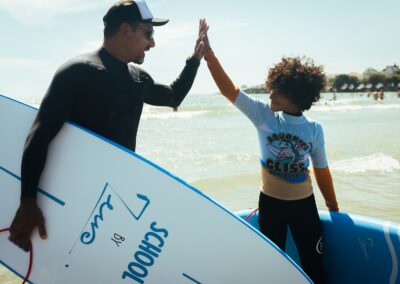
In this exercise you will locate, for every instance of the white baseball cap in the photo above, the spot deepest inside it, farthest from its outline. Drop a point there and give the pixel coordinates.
(131, 11)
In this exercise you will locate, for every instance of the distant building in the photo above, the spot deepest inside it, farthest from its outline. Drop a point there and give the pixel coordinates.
(355, 74)
(369, 72)
(391, 70)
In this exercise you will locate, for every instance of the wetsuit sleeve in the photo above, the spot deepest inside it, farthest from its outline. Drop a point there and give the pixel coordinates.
(53, 111)
(173, 95)
(325, 184)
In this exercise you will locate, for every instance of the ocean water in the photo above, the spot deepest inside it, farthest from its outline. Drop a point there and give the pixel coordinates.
(214, 147)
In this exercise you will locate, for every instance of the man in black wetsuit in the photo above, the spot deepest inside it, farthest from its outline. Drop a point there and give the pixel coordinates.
(103, 93)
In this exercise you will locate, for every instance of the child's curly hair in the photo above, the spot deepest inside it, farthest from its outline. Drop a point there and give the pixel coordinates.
(298, 79)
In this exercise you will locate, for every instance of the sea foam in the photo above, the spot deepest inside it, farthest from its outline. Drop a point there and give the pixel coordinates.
(172, 114)
(377, 162)
(347, 108)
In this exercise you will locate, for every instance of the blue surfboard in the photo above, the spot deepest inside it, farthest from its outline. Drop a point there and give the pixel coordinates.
(356, 249)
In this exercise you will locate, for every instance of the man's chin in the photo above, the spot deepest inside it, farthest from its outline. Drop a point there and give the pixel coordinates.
(139, 60)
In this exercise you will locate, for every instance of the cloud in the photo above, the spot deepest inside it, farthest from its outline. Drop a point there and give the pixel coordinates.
(33, 12)
(90, 46)
(175, 32)
(170, 33)
(25, 77)
(229, 25)
(18, 64)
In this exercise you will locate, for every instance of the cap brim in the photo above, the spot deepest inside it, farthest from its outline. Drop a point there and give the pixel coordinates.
(159, 21)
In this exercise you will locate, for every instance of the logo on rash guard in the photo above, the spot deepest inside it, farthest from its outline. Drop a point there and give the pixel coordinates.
(290, 154)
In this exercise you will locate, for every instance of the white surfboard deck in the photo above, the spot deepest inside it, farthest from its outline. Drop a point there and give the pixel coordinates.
(114, 217)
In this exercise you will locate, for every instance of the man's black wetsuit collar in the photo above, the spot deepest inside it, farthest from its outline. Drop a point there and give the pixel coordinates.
(111, 62)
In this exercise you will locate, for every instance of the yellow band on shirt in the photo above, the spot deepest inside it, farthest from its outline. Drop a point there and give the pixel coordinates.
(279, 188)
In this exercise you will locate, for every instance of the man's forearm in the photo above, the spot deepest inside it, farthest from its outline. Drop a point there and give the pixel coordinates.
(182, 85)
(33, 162)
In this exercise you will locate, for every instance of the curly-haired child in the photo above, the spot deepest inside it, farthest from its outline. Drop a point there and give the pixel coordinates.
(287, 140)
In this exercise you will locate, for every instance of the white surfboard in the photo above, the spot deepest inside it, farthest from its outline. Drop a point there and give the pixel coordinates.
(114, 217)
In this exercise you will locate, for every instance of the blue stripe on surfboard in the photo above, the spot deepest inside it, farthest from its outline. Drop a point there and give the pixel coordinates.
(14, 271)
(187, 185)
(190, 278)
(45, 193)
(17, 101)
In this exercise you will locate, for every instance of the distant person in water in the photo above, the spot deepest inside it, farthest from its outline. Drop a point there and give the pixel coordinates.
(101, 91)
(381, 94)
(376, 95)
(288, 139)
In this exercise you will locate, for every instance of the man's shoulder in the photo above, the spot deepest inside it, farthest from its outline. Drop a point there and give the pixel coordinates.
(138, 73)
(83, 63)
(136, 69)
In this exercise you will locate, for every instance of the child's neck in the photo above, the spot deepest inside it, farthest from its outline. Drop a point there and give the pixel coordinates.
(292, 109)
(296, 113)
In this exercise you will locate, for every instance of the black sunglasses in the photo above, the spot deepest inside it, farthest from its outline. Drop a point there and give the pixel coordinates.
(149, 32)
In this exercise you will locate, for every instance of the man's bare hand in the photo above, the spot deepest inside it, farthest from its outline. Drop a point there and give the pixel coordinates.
(28, 217)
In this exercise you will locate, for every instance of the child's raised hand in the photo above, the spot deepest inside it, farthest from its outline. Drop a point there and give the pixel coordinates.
(201, 45)
(203, 33)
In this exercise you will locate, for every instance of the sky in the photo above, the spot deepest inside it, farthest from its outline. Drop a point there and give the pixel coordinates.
(248, 37)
